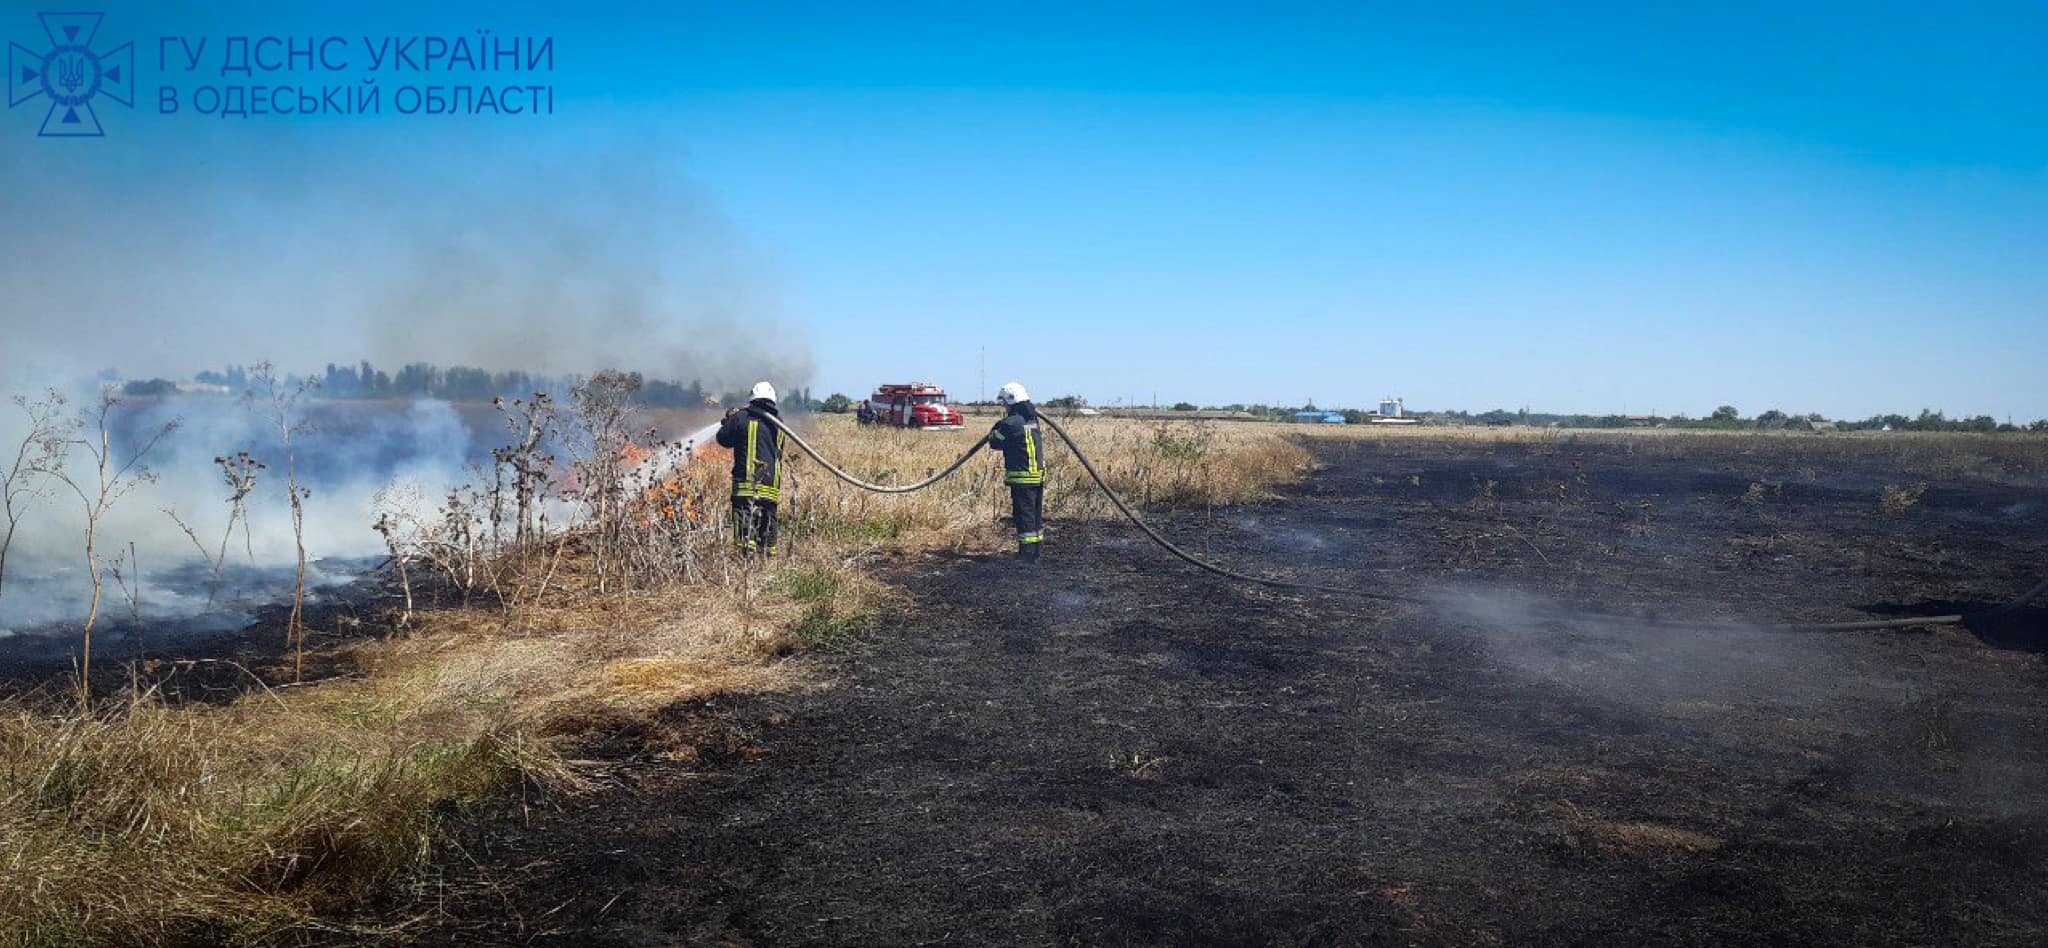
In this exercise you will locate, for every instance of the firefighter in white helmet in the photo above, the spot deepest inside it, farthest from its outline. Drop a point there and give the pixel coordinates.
(1022, 442)
(757, 458)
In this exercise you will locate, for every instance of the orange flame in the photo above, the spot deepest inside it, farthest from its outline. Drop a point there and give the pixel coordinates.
(668, 502)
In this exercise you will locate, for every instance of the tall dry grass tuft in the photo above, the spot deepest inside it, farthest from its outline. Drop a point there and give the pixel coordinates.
(146, 824)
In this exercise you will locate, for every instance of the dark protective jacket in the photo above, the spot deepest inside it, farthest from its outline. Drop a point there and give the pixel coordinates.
(757, 451)
(1022, 443)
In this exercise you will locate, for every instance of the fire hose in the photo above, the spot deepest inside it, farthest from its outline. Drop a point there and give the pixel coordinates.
(965, 456)
(1169, 546)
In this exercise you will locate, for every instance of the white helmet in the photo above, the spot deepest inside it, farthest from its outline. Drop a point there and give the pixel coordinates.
(763, 390)
(1012, 392)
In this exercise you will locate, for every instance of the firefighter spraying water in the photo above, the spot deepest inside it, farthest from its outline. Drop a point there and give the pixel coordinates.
(755, 435)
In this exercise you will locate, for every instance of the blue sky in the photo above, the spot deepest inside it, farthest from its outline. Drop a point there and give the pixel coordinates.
(1589, 208)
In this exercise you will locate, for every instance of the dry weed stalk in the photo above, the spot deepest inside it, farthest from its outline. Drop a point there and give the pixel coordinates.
(399, 525)
(605, 421)
(38, 462)
(112, 478)
(532, 422)
(280, 404)
(239, 471)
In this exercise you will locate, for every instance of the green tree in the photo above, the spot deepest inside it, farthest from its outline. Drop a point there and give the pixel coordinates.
(837, 404)
(1726, 413)
(151, 388)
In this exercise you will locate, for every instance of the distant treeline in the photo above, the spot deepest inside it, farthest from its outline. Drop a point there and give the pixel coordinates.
(1727, 418)
(457, 383)
(465, 384)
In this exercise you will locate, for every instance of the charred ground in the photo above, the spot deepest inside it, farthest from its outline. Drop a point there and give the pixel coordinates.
(1111, 749)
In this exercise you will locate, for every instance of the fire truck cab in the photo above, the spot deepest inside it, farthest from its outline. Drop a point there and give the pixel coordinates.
(914, 405)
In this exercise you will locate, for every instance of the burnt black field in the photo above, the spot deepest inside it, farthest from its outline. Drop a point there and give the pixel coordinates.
(1112, 749)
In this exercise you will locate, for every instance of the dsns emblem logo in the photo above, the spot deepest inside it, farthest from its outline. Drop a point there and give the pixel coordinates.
(71, 75)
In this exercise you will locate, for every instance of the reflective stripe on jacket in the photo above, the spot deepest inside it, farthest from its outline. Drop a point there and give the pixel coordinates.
(757, 451)
(1022, 442)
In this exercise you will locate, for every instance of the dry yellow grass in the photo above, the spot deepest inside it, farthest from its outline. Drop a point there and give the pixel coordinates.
(146, 823)
(1554, 790)
(149, 824)
(1636, 839)
(1943, 455)
(1182, 464)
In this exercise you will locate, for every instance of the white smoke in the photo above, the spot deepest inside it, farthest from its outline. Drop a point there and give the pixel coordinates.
(470, 248)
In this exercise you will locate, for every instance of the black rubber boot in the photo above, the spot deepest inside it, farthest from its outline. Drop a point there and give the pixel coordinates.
(1028, 552)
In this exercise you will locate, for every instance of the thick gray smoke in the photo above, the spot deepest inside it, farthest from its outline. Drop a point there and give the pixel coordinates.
(163, 258)
(617, 267)
(605, 257)
(424, 445)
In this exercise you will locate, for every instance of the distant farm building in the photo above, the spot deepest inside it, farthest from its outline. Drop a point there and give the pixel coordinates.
(1393, 411)
(1320, 417)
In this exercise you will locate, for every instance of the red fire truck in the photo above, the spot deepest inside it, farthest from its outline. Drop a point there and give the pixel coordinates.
(915, 405)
